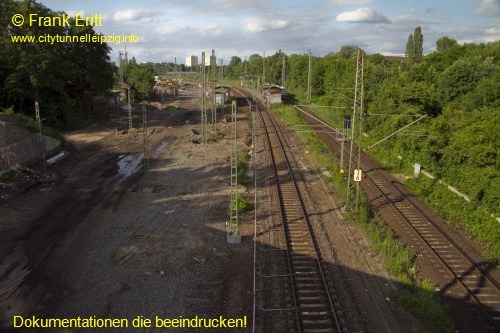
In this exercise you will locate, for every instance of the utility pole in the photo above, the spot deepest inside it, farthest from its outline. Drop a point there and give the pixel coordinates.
(309, 79)
(283, 68)
(120, 54)
(213, 61)
(233, 235)
(145, 135)
(245, 65)
(264, 68)
(221, 64)
(354, 173)
(253, 109)
(126, 58)
(129, 109)
(204, 134)
(41, 143)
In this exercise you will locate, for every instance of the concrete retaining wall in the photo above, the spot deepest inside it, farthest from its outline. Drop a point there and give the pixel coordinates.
(20, 146)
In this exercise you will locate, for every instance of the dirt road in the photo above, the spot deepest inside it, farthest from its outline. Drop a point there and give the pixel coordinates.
(114, 240)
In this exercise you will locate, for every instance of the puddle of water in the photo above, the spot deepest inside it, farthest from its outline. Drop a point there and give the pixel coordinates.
(128, 164)
(161, 148)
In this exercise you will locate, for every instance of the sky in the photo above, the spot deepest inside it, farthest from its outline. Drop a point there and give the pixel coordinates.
(172, 30)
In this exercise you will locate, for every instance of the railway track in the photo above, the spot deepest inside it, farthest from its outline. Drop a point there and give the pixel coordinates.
(310, 298)
(473, 283)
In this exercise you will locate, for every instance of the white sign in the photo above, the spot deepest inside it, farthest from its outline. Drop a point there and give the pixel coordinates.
(357, 175)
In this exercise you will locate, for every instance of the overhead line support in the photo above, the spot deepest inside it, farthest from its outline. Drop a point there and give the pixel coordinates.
(233, 235)
(352, 200)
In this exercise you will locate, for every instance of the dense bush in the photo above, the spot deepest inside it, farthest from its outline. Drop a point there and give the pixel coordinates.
(456, 88)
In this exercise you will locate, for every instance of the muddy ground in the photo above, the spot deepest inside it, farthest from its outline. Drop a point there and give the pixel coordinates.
(109, 238)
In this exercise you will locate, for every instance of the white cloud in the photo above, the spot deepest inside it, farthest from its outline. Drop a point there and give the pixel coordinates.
(362, 15)
(211, 30)
(489, 8)
(72, 13)
(493, 31)
(344, 3)
(166, 30)
(259, 25)
(135, 15)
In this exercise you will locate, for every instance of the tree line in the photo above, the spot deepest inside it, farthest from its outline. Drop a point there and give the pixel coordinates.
(64, 78)
(455, 87)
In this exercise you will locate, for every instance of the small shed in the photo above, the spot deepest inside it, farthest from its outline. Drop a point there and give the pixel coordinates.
(222, 94)
(272, 93)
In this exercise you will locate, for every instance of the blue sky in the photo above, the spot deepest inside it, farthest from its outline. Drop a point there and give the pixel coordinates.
(178, 28)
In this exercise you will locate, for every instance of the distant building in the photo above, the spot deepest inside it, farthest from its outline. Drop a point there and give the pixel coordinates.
(192, 61)
(213, 61)
(210, 60)
(273, 93)
(394, 55)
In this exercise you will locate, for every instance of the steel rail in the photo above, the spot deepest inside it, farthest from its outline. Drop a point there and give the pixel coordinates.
(370, 166)
(314, 247)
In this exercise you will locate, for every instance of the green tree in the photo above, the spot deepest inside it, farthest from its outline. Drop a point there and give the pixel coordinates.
(63, 77)
(414, 46)
(141, 80)
(463, 76)
(234, 61)
(348, 51)
(445, 43)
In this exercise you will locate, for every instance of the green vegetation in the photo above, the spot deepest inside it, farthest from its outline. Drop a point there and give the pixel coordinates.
(140, 79)
(243, 167)
(31, 124)
(456, 87)
(65, 78)
(216, 134)
(414, 50)
(8, 176)
(243, 203)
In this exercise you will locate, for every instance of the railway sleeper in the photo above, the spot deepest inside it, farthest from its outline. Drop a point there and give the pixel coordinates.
(309, 284)
(305, 271)
(323, 322)
(307, 252)
(308, 291)
(314, 313)
(319, 330)
(298, 232)
(297, 229)
(311, 299)
(302, 245)
(303, 261)
(308, 278)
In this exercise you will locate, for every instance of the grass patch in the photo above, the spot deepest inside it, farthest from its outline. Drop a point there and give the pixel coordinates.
(216, 134)
(243, 167)
(31, 124)
(243, 204)
(8, 176)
